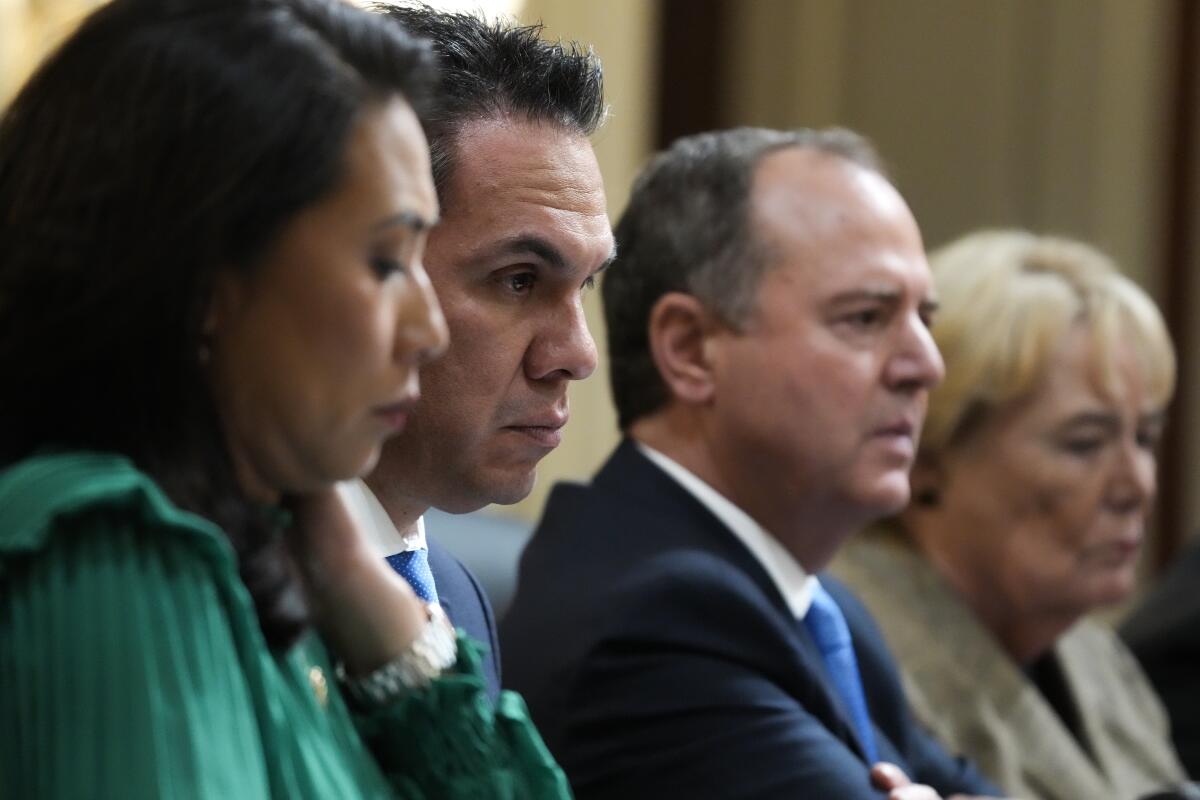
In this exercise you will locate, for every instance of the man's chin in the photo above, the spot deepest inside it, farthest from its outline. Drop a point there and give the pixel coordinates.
(514, 490)
(889, 496)
(502, 490)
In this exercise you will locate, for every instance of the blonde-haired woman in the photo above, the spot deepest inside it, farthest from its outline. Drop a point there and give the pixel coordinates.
(1036, 473)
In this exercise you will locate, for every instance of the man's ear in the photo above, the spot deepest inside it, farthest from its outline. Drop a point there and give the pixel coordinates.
(680, 331)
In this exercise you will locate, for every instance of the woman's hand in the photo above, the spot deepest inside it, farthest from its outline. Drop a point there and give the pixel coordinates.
(365, 612)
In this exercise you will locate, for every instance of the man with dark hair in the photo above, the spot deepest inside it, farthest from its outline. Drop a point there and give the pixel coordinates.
(523, 231)
(771, 363)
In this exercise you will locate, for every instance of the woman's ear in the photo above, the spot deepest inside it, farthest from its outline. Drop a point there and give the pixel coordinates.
(680, 333)
(224, 300)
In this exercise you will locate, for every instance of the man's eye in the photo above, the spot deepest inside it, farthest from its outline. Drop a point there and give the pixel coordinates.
(519, 283)
(866, 318)
(588, 283)
(384, 267)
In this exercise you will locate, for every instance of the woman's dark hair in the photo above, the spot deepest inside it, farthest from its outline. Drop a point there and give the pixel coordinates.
(165, 141)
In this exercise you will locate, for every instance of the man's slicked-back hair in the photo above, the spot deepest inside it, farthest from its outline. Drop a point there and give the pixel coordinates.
(492, 69)
(687, 229)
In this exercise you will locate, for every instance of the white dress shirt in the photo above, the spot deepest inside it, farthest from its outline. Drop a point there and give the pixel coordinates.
(789, 577)
(370, 514)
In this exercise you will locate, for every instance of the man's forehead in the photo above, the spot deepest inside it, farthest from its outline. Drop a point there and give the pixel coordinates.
(853, 275)
(841, 226)
(802, 198)
(805, 187)
(523, 189)
(507, 154)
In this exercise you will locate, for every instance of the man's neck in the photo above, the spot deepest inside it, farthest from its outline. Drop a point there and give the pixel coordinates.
(403, 511)
(810, 533)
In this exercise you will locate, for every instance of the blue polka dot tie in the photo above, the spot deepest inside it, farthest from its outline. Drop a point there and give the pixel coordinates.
(413, 566)
(828, 627)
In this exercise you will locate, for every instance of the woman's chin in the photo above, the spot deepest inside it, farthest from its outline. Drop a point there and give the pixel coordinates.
(367, 462)
(1114, 589)
(351, 463)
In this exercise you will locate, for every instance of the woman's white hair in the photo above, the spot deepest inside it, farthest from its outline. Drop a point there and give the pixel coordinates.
(1007, 300)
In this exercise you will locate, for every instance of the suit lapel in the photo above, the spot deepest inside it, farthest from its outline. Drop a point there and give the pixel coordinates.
(629, 473)
(441, 579)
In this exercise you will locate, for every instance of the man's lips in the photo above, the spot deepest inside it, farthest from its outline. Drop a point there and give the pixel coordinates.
(544, 430)
(900, 427)
(900, 435)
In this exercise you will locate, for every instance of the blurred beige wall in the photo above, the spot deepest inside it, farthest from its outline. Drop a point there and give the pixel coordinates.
(28, 30)
(1010, 112)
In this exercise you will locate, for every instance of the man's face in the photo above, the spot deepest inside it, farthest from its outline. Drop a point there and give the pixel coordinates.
(524, 229)
(821, 396)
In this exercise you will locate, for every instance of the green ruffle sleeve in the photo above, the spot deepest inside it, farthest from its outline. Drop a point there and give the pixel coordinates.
(450, 735)
(121, 674)
(131, 665)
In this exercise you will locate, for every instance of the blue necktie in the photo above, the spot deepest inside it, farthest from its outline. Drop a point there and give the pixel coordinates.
(825, 622)
(413, 566)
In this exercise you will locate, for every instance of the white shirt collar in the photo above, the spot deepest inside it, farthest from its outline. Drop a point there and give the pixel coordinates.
(789, 577)
(369, 513)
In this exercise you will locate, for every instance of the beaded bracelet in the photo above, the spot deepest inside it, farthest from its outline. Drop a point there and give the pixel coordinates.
(433, 652)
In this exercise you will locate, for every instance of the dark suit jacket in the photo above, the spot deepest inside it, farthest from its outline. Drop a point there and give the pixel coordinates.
(467, 606)
(1164, 633)
(659, 660)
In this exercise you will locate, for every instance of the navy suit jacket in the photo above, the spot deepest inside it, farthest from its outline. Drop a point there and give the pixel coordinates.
(467, 606)
(659, 660)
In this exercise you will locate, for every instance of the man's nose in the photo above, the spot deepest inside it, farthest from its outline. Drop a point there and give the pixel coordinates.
(563, 347)
(916, 362)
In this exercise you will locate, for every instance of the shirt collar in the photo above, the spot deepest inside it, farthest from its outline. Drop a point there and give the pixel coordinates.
(789, 577)
(369, 513)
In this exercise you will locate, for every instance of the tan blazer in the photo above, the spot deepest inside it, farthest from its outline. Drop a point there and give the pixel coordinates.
(978, 702)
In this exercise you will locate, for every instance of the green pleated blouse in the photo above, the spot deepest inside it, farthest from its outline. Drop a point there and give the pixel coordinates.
(132, 666)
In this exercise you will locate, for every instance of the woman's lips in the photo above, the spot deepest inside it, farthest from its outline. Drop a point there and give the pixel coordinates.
(395, 415)
(1124, 549)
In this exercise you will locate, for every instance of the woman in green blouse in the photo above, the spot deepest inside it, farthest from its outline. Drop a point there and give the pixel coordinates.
(212, 307)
